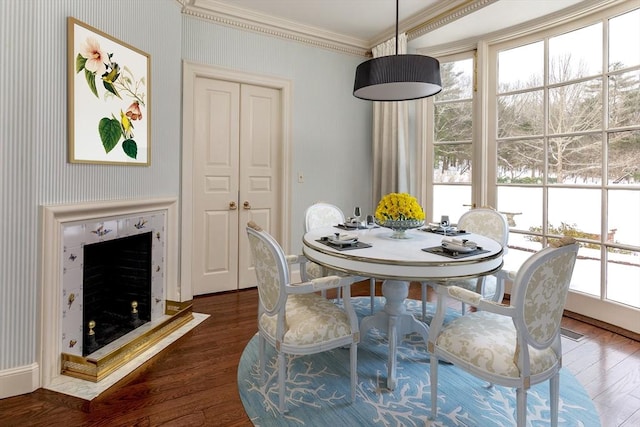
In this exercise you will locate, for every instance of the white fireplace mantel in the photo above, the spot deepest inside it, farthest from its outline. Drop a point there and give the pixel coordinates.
(55, 219)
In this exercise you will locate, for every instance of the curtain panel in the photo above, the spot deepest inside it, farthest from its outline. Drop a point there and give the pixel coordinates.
(391, 172)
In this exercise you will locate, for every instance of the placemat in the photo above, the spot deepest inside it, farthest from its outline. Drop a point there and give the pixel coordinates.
(360, 227)
(356, 245)
(442, 232)
(439, 250)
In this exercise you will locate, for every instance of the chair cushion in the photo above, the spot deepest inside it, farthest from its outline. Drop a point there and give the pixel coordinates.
(488, 342)
(311, 319)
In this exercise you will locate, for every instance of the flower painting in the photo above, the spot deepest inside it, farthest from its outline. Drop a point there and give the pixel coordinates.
(109, 97)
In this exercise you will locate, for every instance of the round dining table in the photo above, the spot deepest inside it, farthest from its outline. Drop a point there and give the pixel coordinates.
(398, 262)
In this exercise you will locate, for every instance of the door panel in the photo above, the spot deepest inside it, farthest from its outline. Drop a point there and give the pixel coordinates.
(216, 256)
(260, 154)
(215, 178)
(237, 178)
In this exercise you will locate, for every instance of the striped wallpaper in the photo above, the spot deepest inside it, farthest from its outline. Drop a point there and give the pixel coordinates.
(33, 143)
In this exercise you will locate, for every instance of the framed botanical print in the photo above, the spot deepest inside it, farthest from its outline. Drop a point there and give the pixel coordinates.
(108, 98)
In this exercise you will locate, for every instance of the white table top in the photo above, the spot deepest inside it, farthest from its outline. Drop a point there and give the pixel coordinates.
(401, 259)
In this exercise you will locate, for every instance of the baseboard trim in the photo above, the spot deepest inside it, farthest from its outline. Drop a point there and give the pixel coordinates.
(603, 325)
(20, 380)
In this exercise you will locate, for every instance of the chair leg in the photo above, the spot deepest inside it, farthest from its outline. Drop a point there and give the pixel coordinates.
(498, 296)
(353, 353)
(282, 369)
(372, 292)
(521, 414)
(424, 301)
(261, 361)
(554, 393)
(433, 370)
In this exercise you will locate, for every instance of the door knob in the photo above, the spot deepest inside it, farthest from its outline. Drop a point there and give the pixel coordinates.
(232, 206)
(247, 205)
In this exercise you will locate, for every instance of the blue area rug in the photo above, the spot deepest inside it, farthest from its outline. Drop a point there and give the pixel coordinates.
(318, 389)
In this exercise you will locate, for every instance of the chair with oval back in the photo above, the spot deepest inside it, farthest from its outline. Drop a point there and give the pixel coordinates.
(516, 345)
(293, 317)
(489, 223)
(322, 214)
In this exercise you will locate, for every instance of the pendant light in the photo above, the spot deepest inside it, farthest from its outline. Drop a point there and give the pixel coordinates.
(397, 77)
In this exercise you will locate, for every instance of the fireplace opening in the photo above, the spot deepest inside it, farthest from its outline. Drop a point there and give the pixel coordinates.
(116, 289)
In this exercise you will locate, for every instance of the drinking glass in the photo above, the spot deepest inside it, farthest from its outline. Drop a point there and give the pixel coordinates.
(444, 224)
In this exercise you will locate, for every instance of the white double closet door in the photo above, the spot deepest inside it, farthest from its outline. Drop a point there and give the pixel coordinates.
(236, 178)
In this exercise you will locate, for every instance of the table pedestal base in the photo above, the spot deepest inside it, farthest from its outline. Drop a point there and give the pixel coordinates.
(395, 322)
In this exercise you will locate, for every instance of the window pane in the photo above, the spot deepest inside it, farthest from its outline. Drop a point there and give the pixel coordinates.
(575, 54)
(524, 204)
(453, 122)
(450, 200)
(624, 40)
(623, 215)
(623, 277)
(574, 212)
(520, 114)
(520, 249)
(624, 99)
(575, 107)
(521, 67)
(624, 158)
(575, 160)
(457, 80)
(520, 162)
(452, 163)
(586, 273)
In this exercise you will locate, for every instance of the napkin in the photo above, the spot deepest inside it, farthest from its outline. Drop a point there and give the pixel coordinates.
(341, 237)
(458, 244)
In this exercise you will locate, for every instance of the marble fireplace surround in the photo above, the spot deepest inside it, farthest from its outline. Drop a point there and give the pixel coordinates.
(60, 232)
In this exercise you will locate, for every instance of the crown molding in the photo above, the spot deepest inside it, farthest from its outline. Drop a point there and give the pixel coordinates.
(244, 19)
(440, 16)
(577, 11)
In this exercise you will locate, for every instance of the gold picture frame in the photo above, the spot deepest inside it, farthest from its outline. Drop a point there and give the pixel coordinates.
(109, 95)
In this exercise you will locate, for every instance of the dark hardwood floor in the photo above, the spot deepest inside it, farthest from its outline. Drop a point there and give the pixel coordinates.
(193, 383)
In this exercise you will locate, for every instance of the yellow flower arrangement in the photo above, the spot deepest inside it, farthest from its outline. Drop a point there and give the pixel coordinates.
(399, 207)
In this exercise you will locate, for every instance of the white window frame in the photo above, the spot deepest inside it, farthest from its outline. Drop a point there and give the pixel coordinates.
(484, 190)
(588, 305)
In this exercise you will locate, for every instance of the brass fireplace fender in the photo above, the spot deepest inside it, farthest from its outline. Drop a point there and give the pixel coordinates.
(94, 369)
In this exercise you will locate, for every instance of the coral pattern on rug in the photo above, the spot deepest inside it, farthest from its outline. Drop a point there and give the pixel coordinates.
(318, 389)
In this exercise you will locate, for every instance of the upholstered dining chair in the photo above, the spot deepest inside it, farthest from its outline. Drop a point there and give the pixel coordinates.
(489, 223)
(322, 214)
(514, 345)
(293, 317)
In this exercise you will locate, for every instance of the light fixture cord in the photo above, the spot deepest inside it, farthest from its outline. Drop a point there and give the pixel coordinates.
(397, 18)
